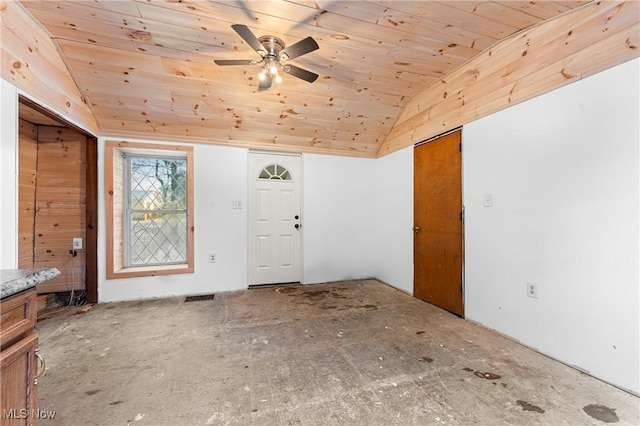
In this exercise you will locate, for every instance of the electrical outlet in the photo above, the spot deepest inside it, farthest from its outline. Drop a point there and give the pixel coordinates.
(212, 258)
(532, 290)
(77, 244)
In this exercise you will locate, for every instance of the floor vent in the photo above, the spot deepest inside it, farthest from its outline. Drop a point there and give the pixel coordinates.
(198, 298)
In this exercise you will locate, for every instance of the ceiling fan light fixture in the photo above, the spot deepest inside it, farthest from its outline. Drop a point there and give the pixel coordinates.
(278, 79)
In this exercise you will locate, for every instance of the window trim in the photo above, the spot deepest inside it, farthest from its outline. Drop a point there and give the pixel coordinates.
(115, 250)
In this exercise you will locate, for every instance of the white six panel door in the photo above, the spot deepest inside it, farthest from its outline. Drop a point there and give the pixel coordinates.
(274, 218)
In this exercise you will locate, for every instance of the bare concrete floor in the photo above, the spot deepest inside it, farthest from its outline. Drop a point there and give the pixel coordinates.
(349, 353)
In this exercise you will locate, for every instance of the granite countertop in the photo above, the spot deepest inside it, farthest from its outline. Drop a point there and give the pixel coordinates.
(14, 281)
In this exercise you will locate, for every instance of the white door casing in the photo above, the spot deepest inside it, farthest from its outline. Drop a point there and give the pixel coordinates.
(274, 218)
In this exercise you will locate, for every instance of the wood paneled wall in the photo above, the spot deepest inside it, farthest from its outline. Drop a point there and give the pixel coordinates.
(52, 196)
(545, 57)
(118, 212)
(60, 206)
(27, 165)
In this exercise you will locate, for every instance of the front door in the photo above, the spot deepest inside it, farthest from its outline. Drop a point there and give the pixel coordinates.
(274, 218)
(438, 222)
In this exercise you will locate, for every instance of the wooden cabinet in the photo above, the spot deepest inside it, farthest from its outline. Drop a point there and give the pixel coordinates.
(18, 359)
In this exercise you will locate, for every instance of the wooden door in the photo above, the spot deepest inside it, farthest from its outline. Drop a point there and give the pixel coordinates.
(274, 212)
(438, 222)
(17, 387)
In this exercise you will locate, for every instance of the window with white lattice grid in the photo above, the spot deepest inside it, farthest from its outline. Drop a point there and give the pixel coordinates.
(155, 210)
(150, 209)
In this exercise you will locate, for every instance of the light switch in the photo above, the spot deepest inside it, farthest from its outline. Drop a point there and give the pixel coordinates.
(237, 205)
(487, 200)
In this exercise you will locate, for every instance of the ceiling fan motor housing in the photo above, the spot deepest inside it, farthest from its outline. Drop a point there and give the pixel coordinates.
(272, 44)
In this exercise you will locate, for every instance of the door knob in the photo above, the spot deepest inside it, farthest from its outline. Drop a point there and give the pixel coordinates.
(416, 229)
(297, 226)
(296, 217)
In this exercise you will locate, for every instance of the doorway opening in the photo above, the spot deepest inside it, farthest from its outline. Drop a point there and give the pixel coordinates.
(58, 202)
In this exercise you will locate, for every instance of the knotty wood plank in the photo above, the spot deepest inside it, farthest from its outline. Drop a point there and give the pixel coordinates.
(496, 11)
(510, 52)
(611, 50)
(249, 140)
(288, 21)
(77, 23)
(27, 163)
(60, 202)
(414, 12)
(542, 9)
(589, 55)
(444, 13)
(31, 62)
(126, 8)
(195, 14)
(117, 57)
(117, 13)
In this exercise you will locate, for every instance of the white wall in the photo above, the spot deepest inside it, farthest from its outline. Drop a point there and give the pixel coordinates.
(338, 218)
(8, 176)
(394, 219)
(220, 178)
(563, 172)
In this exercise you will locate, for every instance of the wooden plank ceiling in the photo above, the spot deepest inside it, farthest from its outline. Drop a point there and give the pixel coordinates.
(146, 67)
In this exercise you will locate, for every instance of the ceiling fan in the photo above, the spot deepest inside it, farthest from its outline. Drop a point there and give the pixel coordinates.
(273, 52)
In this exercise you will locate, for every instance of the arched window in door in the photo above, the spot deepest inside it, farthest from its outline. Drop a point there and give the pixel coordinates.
(274, 172)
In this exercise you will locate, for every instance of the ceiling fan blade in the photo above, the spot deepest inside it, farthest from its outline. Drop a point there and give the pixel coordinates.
(298, 49)
(225, 62)
(246, 34)
(300, 73)
(266, 83)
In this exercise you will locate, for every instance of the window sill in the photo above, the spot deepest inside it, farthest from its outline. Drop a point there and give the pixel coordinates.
(149, 271)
